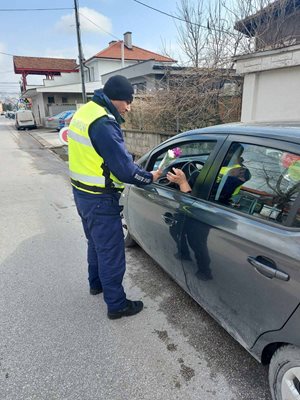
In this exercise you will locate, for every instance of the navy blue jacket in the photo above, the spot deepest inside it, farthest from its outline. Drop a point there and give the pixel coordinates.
(107, 138)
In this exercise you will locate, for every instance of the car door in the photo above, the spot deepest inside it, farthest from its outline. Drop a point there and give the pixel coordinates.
(155, 213)
(245, 266)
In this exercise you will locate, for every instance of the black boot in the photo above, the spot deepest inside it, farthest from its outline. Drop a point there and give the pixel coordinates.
(132, 308)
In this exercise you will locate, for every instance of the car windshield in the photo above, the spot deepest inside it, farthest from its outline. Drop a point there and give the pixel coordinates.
(190, 151)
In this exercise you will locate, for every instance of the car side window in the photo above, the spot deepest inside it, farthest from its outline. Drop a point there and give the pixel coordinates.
(190, 157)
(259, 181)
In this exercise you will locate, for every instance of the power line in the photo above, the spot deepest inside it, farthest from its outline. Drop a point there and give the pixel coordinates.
(208, 27)
(92, 22)
(110, 34)
(170, 15)
(35, 9)
(6, 54)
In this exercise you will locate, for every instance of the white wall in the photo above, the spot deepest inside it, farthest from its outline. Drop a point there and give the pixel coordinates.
(63, 79)
(102, 66)
(38, 108)
(272, 96)
(72, 100)
(41, 109)
(271, 89)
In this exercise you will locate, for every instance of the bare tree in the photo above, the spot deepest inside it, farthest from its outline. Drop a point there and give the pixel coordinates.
(207, 91)
(192, 32)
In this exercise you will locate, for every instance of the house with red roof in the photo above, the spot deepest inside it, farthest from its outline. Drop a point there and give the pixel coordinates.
(62, 87)
(120, 54)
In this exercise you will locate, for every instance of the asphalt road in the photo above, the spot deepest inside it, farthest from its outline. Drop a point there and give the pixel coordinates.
(55, 339)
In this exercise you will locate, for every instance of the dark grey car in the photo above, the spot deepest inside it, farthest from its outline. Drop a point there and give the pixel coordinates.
(233, 243)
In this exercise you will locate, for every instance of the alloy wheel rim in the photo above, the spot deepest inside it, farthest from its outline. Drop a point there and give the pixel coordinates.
(290, 387)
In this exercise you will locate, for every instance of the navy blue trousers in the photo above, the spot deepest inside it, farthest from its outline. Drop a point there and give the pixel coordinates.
(101, 220)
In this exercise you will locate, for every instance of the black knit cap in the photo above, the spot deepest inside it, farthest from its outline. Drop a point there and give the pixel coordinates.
(118, 88)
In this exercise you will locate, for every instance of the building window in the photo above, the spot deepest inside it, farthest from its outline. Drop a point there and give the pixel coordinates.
(51, 99)
(92, 74)
(64, 100)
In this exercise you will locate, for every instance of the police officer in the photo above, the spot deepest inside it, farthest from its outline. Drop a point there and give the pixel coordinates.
(99, 164)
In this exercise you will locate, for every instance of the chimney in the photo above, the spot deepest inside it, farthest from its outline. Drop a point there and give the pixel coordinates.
(128, 40)
(112, 42)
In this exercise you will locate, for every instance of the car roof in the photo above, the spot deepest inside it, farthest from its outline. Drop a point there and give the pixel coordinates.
(279, 130)
(65, 113)
(60, 114)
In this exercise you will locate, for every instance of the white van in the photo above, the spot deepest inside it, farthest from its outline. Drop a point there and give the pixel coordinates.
(25, 120)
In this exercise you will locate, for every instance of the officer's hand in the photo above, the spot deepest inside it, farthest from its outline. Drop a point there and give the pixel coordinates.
(156, 174)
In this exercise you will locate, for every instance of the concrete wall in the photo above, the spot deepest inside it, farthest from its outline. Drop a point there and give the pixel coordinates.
(38, 108)
(41, 109)
(63, 79)
(271, 85)
(58, 105)
(272, 96)
(58, 97)
(140, 142)
(141, 73)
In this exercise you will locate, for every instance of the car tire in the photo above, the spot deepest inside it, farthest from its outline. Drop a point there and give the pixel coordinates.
(128, 240)
(284, 373)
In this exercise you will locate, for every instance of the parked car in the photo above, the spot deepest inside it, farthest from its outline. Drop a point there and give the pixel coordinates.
(53, 122)
(66, 119)
(233, 243)
(10, 114)
(25, 120)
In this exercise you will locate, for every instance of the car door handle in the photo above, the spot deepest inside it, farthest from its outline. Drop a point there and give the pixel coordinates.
(266, 270)
(168, 218)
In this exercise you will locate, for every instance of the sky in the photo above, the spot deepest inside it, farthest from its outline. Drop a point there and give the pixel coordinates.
(52, 33)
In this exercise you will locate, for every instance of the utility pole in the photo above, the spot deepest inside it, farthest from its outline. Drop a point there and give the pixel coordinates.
(80, 51)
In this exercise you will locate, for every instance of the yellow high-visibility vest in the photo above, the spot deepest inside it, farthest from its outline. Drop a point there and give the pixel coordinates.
(224, 171)
(85, 164)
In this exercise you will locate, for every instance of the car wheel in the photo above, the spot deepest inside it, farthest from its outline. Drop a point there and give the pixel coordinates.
(129, 242)
(284, 373)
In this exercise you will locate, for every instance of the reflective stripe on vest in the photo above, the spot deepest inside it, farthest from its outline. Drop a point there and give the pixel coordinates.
(97, 180)
(85, 164)
(78, 138)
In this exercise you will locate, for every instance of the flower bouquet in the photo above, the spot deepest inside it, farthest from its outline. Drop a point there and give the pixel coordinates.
(169, 157)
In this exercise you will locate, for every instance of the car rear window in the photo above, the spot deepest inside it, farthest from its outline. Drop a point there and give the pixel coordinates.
(25, 116)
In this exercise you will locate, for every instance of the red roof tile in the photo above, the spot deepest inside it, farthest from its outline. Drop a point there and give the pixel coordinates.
(136, 53)
(43, 64)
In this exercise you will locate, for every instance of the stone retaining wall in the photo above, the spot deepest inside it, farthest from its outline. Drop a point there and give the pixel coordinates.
(139, 142)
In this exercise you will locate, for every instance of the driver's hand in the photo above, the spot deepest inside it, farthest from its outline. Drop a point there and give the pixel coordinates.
(156, 174)
(177, 176)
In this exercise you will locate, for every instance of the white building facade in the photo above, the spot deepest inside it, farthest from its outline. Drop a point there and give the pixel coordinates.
(271, 85)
